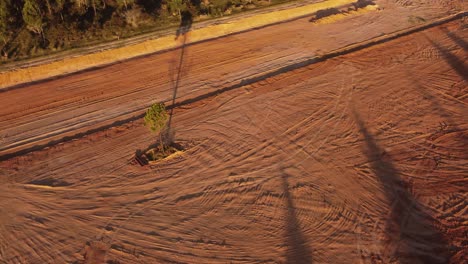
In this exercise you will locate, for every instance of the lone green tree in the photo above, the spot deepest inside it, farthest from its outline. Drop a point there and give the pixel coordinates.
(156, 119)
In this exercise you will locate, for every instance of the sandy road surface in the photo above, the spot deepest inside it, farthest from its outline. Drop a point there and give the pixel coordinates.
(40, 113)
(152, 35)
(358, 159)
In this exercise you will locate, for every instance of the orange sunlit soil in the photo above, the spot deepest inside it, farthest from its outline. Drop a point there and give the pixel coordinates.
(361, 158)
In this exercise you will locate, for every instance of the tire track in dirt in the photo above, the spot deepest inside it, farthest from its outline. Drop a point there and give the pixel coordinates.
(225, 198)
(101, 114)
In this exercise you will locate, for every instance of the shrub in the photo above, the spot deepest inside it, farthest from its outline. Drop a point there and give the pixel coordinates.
(156, 119)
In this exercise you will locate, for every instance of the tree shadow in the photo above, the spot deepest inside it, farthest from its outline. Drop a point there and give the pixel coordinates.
(363, 3)
(335, 11)
(167, 133)
(457, 64)
(183, 30)
(433, 100)
(460, 42)
(186, 20)
(298, 251)
(411, 235)
(325, 13)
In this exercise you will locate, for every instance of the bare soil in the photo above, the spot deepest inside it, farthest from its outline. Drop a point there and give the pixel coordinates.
(357, 159)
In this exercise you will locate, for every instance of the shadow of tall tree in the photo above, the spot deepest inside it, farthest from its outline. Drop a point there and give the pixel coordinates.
(456, 63)
(183, 29)
(412, 236)
(186, 20)
(460, 42)
(439, 107)
(298, 252)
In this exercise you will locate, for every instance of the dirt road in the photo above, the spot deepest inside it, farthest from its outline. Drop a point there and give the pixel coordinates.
(358, 159)
(44, 112)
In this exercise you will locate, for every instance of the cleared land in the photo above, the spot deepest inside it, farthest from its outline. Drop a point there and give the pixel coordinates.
(104, 54)
(358, 159)
(39, 113)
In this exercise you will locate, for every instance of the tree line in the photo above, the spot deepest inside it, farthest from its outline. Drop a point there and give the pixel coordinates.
(33, 27)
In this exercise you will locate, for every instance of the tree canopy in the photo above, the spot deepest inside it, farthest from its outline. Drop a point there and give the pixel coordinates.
(4, 13)
(38, 26)
(156, 117)
(32, 16)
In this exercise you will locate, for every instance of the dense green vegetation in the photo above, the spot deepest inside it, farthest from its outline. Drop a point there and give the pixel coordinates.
(35, 27)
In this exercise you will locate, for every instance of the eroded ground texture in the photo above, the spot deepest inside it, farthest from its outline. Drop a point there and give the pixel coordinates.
(361, 158)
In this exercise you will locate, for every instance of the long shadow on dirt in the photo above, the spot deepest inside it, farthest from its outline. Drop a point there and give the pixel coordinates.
(460, 42)
(411, 235)
(439, 106)
(334, 11)
(456, 63)
(186, 21)
(184, 27)
(298, 251)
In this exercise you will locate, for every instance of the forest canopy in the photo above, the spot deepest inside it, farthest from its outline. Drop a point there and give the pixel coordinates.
(36, 27)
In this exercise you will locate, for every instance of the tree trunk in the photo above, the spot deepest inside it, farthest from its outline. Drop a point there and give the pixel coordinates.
(161, 142)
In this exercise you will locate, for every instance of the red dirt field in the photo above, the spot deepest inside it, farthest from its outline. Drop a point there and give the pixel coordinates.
(43, 112)
(361, 158)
